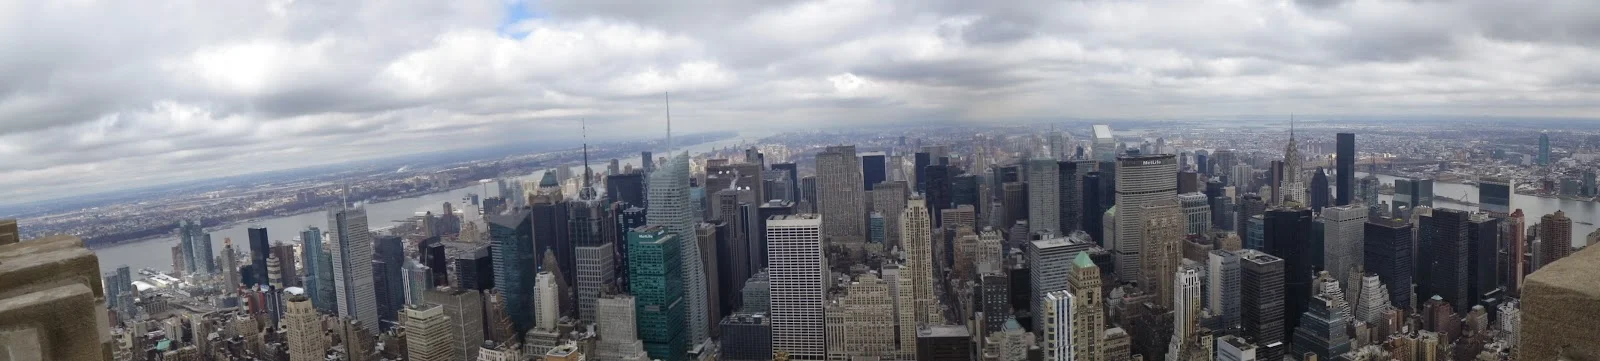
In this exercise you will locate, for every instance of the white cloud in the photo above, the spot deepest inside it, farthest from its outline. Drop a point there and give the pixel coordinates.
(106, 95)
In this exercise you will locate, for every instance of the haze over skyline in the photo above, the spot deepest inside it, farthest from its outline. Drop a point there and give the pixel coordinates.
(116, 95)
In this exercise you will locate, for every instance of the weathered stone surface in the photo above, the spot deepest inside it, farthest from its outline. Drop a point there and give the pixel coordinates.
(1561, 310)
(8, 231)
(52, 305)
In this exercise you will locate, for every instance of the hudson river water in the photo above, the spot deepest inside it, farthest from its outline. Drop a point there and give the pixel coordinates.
(156, 253)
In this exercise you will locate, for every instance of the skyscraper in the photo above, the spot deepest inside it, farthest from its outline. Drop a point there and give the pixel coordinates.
(388, 284)
(1186, 305)
(797, 266)
(1342, 231)
(1105, 144)
(937, 191)
(260, 249)
(1050, 267)
(428, 334)
(1044, 197)
(858, 320)
(1544, 148)
(191, 237)
(1088, 320)
(464, 310)
(318, 270)
(1197, 212)
(511, 235)
(619, 336)
(596, 270)
(1447, 276)
(1223, 287)
(889, 198)
(1140, 179)
(873, 169)
(303, 330)
(1388, 254)
(840, 197)
(1055, 316)
(1319, 189)
(1483, 256)
(1293, 186)
(1322, 331)
(352, 266)
(656, 279)
(918, 242)
(1494, 196)
(1344, 167)
(1162, 229)
(1261, 294)
(1288, 236)
(1555, 230)
(1070, 192)
(671, 207)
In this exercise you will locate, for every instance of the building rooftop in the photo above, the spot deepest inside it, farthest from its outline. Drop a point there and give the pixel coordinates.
(1082, 260)
(943, 331)
(1102, 131)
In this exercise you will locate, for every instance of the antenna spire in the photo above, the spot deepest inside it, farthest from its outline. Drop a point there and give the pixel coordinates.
(668, 97)
(1291, 126)
(587, 192)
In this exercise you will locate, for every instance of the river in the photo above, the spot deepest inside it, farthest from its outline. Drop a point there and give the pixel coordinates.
(1532, 207)
(156, 253)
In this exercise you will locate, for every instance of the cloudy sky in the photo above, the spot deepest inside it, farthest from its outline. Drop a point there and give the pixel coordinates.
(105, 95)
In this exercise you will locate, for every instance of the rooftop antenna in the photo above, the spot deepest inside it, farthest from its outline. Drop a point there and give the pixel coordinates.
(587, 193)
(1291, 126)
(668, 97)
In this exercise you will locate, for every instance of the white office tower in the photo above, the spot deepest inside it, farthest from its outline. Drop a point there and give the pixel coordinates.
(428, 334)
(1050, 264)
(1343, 235)
(917, 238)
(671, 207)
(841, 197)
(1185, 312)
(352, 266)
(1372, 300)
(1511, 323)
(1044, 196)
(596, 269)
(619, 336)
(905, 310)
(1105, 144)
(1057, 326)
(859, 320)
(1141, 179)
(797, 270)
(1233, 348)
(546, 301)
(1222, 269)
(303, 330)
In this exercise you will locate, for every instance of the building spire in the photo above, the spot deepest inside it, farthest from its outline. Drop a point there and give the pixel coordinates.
(1291, 127)
(587, 193)
(668, 97)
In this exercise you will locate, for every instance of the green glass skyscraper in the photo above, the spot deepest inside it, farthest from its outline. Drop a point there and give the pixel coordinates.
(656, 279)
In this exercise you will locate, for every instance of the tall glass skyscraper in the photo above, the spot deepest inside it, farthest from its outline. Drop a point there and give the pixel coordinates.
(1344, 170)
(655, 274)
(671, 207)
(318, 270)
(352, 266)
(511, 234)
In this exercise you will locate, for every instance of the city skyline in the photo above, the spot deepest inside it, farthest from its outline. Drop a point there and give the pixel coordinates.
(187, 100)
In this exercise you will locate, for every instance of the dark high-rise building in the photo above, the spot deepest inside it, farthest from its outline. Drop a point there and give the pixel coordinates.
(1189, 182)
(1410, 194)
(937, 190)
(1070, 186)
(964, 190)
(473, 269)
(808, 194)
(794, 178)
(994, 300)
(1261, 308)
(1319, 190)
(944, 343)
(1387, 253)
(1344, 164)
(1447, 275)
(647, 161)
(626, 188)
(1494, 196)
(1093, 214)
(1202, 163)
(1483, 260)
(1288, 236)
(1108, 184)
(1322, 331)
(550, 233)
(260, 248)
(873, 169)
(746, 337)
(431, 253)
(1250, 205)
(919, 165)
(389, 255)
(759, 240)
(286, 264)
(511, 235)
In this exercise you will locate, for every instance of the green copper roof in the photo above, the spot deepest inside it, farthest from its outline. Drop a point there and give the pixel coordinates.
(1011, 324)
(1083, 260)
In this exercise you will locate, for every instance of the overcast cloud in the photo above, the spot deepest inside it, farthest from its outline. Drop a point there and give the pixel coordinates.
(105, 95)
